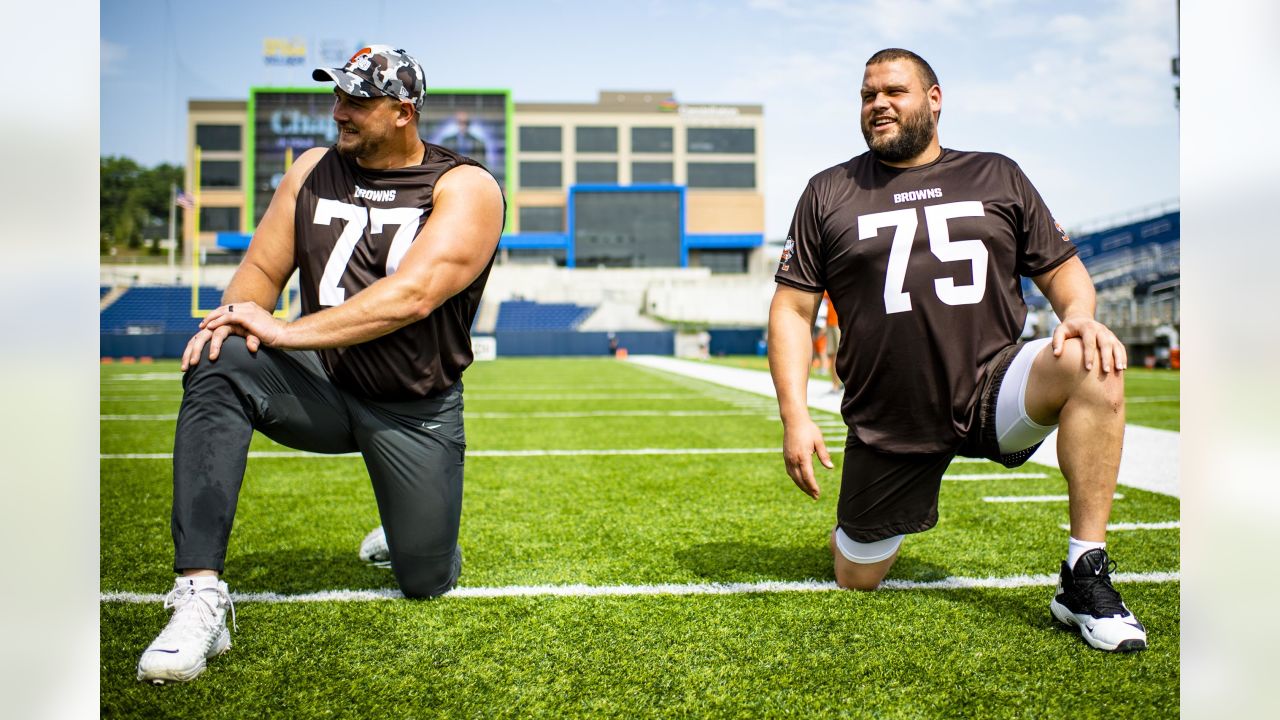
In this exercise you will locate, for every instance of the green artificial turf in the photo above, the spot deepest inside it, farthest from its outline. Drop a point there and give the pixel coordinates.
(611, 520)
(1151, 395)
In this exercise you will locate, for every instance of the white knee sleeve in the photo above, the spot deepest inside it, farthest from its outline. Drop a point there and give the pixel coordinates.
(1014, 428)
(866, 553)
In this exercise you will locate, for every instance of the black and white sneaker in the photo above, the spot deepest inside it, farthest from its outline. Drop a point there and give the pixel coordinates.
(1085, 599)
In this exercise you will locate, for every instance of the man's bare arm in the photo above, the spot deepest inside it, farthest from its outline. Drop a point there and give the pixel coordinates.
(790, 353)
(1070, 291)
(452, 249)
(267, 264)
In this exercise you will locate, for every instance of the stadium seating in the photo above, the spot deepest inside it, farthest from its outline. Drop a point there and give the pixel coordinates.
(527, 315)
(148, 310)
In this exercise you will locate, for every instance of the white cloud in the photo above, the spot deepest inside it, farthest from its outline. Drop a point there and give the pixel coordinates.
(112, 57)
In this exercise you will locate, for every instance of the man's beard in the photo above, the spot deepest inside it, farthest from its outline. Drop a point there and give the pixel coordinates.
(363, 146)
(915, 132)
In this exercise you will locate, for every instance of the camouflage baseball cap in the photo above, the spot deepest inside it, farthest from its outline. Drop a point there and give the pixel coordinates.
(379, 70)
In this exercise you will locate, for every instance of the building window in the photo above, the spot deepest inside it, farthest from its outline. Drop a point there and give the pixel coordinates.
(218, 137)
(540, 175)
(598, 173)
(536, 256)
(219, 219)
(722, 175)
(596, 139)
(652, 139)
(652, 173)
(540, 138)
(219, 173)
(541, 219)
(719, 261)
(722, 140)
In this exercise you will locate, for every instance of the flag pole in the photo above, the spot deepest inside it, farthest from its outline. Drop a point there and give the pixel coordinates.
(173, 214)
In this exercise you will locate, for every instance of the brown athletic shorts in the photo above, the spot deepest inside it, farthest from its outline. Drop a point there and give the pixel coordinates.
(886, 494)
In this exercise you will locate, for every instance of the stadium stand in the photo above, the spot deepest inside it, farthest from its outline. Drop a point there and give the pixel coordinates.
(152, 320)
(528, 315)
(1135, 266)
(150, 310)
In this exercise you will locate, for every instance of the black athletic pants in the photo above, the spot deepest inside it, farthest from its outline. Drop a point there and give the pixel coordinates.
(413, 451)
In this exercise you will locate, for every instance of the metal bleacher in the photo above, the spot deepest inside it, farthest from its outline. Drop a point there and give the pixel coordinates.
(153, 310)
(527, 315)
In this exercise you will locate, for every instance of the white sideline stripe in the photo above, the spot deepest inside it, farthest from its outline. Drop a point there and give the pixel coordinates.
(575, 396)
(487, 453)
(997, 476)
(951, 583)
(1167, 525)
(1150, 460)
(521, 416)
(614, 413)
(1034, 498)
(525, 453)
(1154, 399)
(144, 376)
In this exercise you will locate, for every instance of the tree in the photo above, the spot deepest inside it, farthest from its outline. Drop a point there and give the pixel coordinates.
(134, 202)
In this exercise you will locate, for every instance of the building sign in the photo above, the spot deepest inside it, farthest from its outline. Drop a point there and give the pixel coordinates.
(284, 51)
(288, 122)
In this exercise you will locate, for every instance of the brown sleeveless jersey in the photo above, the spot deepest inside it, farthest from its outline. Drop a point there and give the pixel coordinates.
(923, 265)
(352, 227)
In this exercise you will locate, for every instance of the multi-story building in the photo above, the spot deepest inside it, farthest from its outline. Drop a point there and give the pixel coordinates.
(635, 179)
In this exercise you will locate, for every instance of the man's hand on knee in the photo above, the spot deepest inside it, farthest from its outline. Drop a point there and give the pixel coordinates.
(1097, 340)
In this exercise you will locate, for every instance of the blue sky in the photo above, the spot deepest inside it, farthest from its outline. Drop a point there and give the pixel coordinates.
(1080, 94)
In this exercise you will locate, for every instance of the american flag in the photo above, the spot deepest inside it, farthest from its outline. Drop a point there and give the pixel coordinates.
(184, 201)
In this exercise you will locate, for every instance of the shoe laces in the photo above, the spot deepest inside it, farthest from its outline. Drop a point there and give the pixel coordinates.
(1102, 598)
(203, 603)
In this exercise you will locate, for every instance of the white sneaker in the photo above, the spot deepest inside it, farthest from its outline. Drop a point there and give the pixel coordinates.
(196, 631)
(374, 550)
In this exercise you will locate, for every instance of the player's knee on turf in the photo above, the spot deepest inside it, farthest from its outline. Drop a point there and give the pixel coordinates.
(421, 577)
(862, 566)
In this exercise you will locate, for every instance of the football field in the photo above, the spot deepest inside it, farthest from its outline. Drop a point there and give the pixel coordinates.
(633, 547)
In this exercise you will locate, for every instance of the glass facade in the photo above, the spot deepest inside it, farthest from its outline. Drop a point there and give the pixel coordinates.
(219, 219)
(598, 173)
(219, 173)
(626, 229)
(652, 173)
(652, 139)
(722, 175)
(596, 139)
(218, 137)
(541, 219)
(534, 174)
(721, 140)
(540, 138)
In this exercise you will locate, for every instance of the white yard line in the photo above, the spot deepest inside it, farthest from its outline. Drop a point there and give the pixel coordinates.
(1167, 525)
(488, 453)
(951, 583)
(1150, 460)
(1153, 399)
(481, 395)
(747, 412)
(997, 476)
(1034, 498)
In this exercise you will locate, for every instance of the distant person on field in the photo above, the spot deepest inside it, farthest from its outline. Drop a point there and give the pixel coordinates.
(921, 248)
(817, 332)
(393, 239)
(831, 329)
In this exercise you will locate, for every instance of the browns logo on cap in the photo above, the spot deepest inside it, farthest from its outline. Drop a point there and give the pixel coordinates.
(379, 70)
